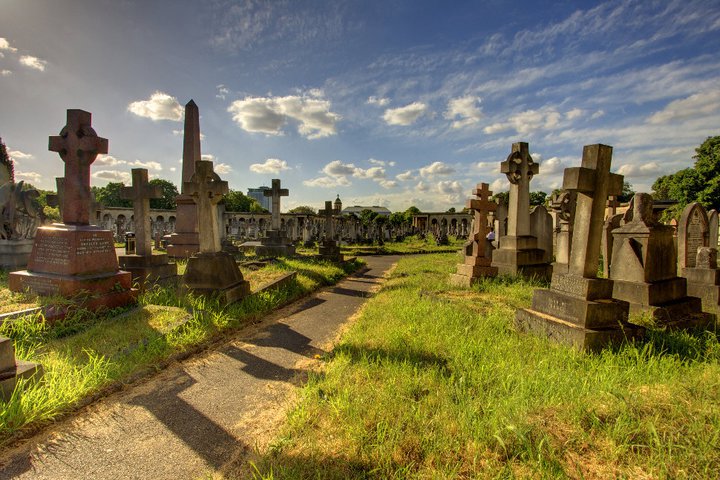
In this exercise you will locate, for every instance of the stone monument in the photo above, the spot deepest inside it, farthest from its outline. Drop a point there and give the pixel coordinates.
(12, 370)
(577, 309)
(477, 264)
(73, 258)
(329, 249)
(518, 252)
(184, 241)
(144, 265)
(211, 271)
(275, 243)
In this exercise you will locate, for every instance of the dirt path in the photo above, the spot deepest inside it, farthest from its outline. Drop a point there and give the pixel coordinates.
(204, 415)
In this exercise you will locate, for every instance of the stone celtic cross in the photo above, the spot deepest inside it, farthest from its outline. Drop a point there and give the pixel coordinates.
(328, 213)
(593, 183)
(276, 192)
(140, 194)
(78, 146)
(207, 189)
(519, 167)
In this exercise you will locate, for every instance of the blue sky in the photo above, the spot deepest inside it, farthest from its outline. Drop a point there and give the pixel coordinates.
(392, 102)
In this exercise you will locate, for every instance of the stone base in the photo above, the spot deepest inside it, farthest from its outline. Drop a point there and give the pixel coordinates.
(15, 254)
(685, 313)
(469, 274)
(709, 295)
(215, 274)
(11, 370)
(591, 314)
(274, 250)
(329, 250)
(152, 269)
(650, 294)
(182, 245)
(529, 263)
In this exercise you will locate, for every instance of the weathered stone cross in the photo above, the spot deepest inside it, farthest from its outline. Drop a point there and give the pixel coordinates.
(140, 194)
(519, 168)
(78, 146)
(593, 183)
(276, 192)
(328, 213)
(481, 205)
(207, 189)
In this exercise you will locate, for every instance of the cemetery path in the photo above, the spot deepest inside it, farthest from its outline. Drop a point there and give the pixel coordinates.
(204, 415)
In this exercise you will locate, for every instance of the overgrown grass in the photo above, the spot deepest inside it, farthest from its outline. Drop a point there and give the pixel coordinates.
(411, 244)
(86, 353)
(434, 382)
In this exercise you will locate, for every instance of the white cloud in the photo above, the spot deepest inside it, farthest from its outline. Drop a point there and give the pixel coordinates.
(405, 176)
(268, 115)
(17, 155)
(5, 73)
(5, 45)
(271, 165)
(597, 114)
(32, 177)
(327, 182)
(160, 106)
(406, 115)
(500, 185)
(449, 187)
(107, 161)
(374, 173)
(646, 170)
(574, 113)
(436, 168)
(207, 157)
(33, 62)
(222, 168)
(150, 165)
(379, 101)
(336, 168)
(528, 121)
(388, 183)
(422, 187)
(698, 105)
(464, 111)
(222, 91)
(112, 176)
(553, 165)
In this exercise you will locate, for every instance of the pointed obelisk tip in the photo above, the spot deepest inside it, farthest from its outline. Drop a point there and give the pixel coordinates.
(191, 103)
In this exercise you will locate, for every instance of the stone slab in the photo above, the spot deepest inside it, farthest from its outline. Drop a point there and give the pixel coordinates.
(476, 270)
(23, 370)
(216, 273)
(708, 276)
(69, 250)
(523, 242)
(709, 295)
(69, 286)
(587, 288)
(600, 314)
(647, 294)
(15, 253)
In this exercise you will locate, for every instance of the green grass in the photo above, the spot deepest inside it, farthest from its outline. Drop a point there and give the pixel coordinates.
(86, 354)
(411, 244)
(434, 382)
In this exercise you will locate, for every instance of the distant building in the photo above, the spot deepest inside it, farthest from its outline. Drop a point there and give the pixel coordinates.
(355, 210)
(259, 195)
(338, 205)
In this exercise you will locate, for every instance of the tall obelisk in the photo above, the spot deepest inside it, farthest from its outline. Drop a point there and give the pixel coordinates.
(185, 241)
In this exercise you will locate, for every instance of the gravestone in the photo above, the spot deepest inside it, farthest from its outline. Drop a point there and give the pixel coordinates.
(211, 271)
(541, 224)
(184, 241)
(329, 249)
(695, 231)
(73, 258)
(606, 245)
(644, 268)
(144, 265)
(476, 263)
(518, 252)
(500, 221)
(578, 310)
(563, 205)
(12, 370)
(275, 243)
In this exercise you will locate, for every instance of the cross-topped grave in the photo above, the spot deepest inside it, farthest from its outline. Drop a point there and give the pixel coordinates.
(276, 192)
(140, 194)
(328, 246)
(274, 242)
(476, 264)
(328, 213)
(78, 146)
(208, 189)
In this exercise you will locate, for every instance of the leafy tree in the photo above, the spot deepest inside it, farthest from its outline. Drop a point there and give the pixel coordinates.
(451, 210)
(627, 193)
(236, 201)
(303, 209)
(169, 192)
(504, 196)
(367, 216)
(109, 195)
(537, 198)
(7, 162)
(398, 218)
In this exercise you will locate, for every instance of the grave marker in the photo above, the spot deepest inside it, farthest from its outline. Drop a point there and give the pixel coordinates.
(275, 242)
(702, 274)
(328, 247)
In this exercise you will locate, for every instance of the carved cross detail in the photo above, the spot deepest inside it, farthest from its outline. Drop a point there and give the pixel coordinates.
(519, 168)
(207, 189)
(276, 192)
(328, 213)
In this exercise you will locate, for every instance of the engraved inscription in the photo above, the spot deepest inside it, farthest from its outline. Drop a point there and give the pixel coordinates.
(53, 251)
(93, 245)
(696, 233)
(568, 284)
(41, 285)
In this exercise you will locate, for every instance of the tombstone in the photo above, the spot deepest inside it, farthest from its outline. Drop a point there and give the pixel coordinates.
(713, 228)
(500, 221)
(73, 258)
(13, 370)
(144, 265)
(518, 252)
(329, 249)
(307, 233)
(184, 241)
(578, 310)
(211, 272)
(695, 233)
(477, 263)
(20, 216)
(644, 267)
(275, 243)
(563, 204)
(541, 224)
(606, 244)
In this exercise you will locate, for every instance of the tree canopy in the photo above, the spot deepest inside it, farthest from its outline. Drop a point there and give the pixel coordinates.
(303, 209)
(7, 174)
(169, 192)
(109, 195)
(236, 201)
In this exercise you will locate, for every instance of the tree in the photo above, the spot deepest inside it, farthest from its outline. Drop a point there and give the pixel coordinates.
(503, 196)
(6, 161)
(398, 218)
(303, 209)
(627, 193)
(537, 198)
(236, 201)
(169, 192)
(451, 210)
(367, 216)
(109, 195)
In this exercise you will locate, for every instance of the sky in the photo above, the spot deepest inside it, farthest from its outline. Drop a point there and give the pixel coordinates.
(391, 102)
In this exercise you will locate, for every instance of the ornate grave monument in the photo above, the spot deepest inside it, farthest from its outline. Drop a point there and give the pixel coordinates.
(275, 243)
(477, 264)
(211, 271)
(577, 309)
(184, 241)
(329, 249)
(74, 258)
(144, 265)
(518, 252)
(12, 370)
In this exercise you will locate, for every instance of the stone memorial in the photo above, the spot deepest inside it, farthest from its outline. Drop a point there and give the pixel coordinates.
(477, 263)
(275, 243)
(695, 233)
(500, 221)
(184, 241)
(329, 249)
(518, 252)
(144, 265)
(606, 244)
(563, 204)
(73, 258)
(541, 224)
(211, 271)
(20, 217)
(578, 309)
(12, 370)
(644, 268)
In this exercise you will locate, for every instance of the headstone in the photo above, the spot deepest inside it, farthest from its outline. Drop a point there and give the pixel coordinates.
(211, 271)
(12, 370)
(184, 241)
(477, 263)
(75, 259)
(500, 221)
(541, 224)
(275, 242)
(644, 268)
(713, 228)
(702, 274)
(144, 265)
(518, 252)
(606, 245)
(329, 249)
(563, 204)
(577, 309)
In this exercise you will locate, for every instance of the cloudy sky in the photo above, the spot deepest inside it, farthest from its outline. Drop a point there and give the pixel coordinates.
(389, 102)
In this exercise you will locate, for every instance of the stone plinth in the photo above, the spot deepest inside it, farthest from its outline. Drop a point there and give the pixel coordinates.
(75, 261)
(185, 241)
(472, 271)
(12, 370)
(520, 256)
(329, 250)
(703, 280)
(15, 253)
(274, 244)
(217, 273)
(154, 268)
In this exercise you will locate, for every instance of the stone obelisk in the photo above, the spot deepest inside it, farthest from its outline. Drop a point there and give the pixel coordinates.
(185, 241)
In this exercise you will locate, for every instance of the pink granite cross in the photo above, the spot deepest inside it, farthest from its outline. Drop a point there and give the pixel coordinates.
(78, 146)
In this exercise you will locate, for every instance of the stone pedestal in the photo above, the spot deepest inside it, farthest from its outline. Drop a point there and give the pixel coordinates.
(212, 274)
(704, 283)
(153, 269)
(578, 311)
(520, 256)
(75, 261)
(329, 250)
(12, 370)
(15, 254)
(185, 241)
(472, 271)
(275, 244)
